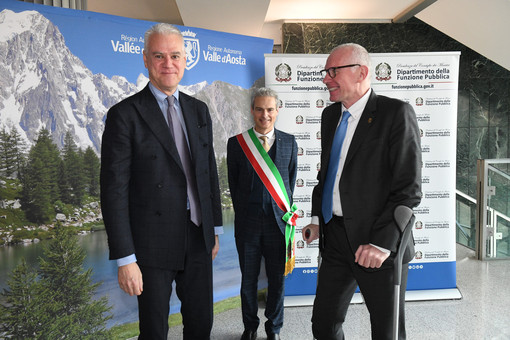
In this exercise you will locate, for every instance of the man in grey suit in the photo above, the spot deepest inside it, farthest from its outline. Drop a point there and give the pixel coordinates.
(371, 163)
(259, 228)
(159, 193)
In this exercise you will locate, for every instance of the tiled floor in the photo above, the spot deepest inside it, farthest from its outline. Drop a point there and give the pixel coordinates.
(482, 313)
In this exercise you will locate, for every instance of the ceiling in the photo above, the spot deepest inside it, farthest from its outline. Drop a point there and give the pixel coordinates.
(482, 28)
(254, 17)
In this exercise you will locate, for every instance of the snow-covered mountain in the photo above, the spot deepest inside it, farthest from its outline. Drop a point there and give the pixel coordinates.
(42, 84)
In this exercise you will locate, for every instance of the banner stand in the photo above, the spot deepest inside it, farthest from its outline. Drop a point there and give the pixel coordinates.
(307, 300)
(429, 82)
(411, 295)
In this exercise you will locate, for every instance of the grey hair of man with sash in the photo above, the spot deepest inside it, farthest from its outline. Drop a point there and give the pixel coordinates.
(263, 92)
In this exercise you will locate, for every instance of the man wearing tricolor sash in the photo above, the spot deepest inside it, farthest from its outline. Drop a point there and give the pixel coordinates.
(262, 164)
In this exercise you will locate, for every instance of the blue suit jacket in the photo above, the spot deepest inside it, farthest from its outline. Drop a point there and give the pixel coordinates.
(242, 177)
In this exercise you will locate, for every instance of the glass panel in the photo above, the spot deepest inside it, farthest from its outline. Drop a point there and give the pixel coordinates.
(502, 237)
(498, 210)
(466, 220)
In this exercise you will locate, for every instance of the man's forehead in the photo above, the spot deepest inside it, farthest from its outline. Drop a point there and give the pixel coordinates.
(336, 56)
(177, 52)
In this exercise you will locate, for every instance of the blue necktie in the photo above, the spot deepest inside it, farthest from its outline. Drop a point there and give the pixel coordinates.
(334, 159)
(181, 143)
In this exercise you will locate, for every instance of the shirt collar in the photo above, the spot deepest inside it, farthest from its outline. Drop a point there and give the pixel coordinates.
(269, 135)
(160, 96)
(357, 108)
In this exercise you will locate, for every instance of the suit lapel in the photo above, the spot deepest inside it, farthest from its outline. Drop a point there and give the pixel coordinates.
(277, 143)
(152, 115)
(366, 120)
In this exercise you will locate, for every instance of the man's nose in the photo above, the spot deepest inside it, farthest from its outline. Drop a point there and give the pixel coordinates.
(167, 62)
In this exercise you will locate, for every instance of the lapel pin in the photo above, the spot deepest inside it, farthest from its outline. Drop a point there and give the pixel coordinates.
(369, 120)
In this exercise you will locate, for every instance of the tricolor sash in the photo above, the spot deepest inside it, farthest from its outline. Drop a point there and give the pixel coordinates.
(272, 180)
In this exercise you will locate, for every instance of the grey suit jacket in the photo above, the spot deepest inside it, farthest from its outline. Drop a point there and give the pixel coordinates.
(242, 177)
(382, 170)
(143, 186)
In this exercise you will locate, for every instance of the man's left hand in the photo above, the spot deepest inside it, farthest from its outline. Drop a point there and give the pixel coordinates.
(369, 256)
(216, 247)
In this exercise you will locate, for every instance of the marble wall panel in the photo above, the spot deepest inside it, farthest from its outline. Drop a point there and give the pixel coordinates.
(484, 87)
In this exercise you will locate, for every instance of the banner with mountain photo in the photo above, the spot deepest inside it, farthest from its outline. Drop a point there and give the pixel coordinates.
(62, 70)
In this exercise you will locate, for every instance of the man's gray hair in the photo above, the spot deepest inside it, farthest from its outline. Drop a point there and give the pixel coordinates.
(161, 28)
(359, 54)
(263, 92)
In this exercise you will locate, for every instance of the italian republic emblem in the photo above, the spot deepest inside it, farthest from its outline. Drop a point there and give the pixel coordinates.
(283, 73)
(383, 72)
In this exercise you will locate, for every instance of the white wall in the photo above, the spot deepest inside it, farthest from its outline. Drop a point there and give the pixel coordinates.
(482, 25)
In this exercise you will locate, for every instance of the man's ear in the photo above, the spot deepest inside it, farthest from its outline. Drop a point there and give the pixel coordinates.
(364, 72)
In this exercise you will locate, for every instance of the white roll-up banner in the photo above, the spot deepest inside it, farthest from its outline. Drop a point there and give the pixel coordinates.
(429, 82)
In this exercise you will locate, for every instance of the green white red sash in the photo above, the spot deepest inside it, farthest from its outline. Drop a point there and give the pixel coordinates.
(272, 180)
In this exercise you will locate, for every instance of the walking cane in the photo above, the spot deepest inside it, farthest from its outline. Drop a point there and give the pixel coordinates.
(404, 219)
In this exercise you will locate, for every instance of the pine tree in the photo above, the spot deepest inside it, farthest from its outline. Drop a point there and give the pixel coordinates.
(20, 316)
(91, 166)
(4, 140)
(71, 311)
(72, 179)
(40, 187)
(12, 152)
(17, 149)
(61, 304)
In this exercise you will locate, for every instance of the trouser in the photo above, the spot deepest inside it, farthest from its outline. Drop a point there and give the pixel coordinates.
(193, 288)
(264, 240)
(337, 280)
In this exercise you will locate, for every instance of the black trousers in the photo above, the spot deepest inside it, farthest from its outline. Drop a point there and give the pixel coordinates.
(337, 280)
(193, 288)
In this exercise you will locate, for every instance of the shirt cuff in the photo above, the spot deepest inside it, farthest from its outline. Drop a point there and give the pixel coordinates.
(384, 250)
(126, 260)
(315, 220)
(218, 230)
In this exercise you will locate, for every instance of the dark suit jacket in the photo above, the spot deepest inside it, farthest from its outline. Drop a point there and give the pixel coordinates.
(382, 170)
(242, 177)
(143, 186)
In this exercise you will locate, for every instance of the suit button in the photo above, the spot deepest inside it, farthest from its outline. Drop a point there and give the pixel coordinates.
(205, 145)
(158, 213)
(154, 156)
(159, 185)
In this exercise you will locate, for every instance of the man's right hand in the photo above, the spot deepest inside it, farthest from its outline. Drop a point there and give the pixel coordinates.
(310, 233)
(130, 279)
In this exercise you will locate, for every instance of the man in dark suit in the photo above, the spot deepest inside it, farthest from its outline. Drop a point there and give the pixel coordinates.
(259, 228)
(371, 163)
(159, 193)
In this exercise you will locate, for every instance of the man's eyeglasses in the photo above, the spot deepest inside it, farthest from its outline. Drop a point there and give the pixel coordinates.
(332, 70)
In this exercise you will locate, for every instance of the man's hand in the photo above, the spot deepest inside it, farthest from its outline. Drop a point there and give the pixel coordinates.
(130, 279)
(216, 247)
(369, 256)
(310, 233)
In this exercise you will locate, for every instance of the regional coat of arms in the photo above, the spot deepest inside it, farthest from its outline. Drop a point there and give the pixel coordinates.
(192, 49)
